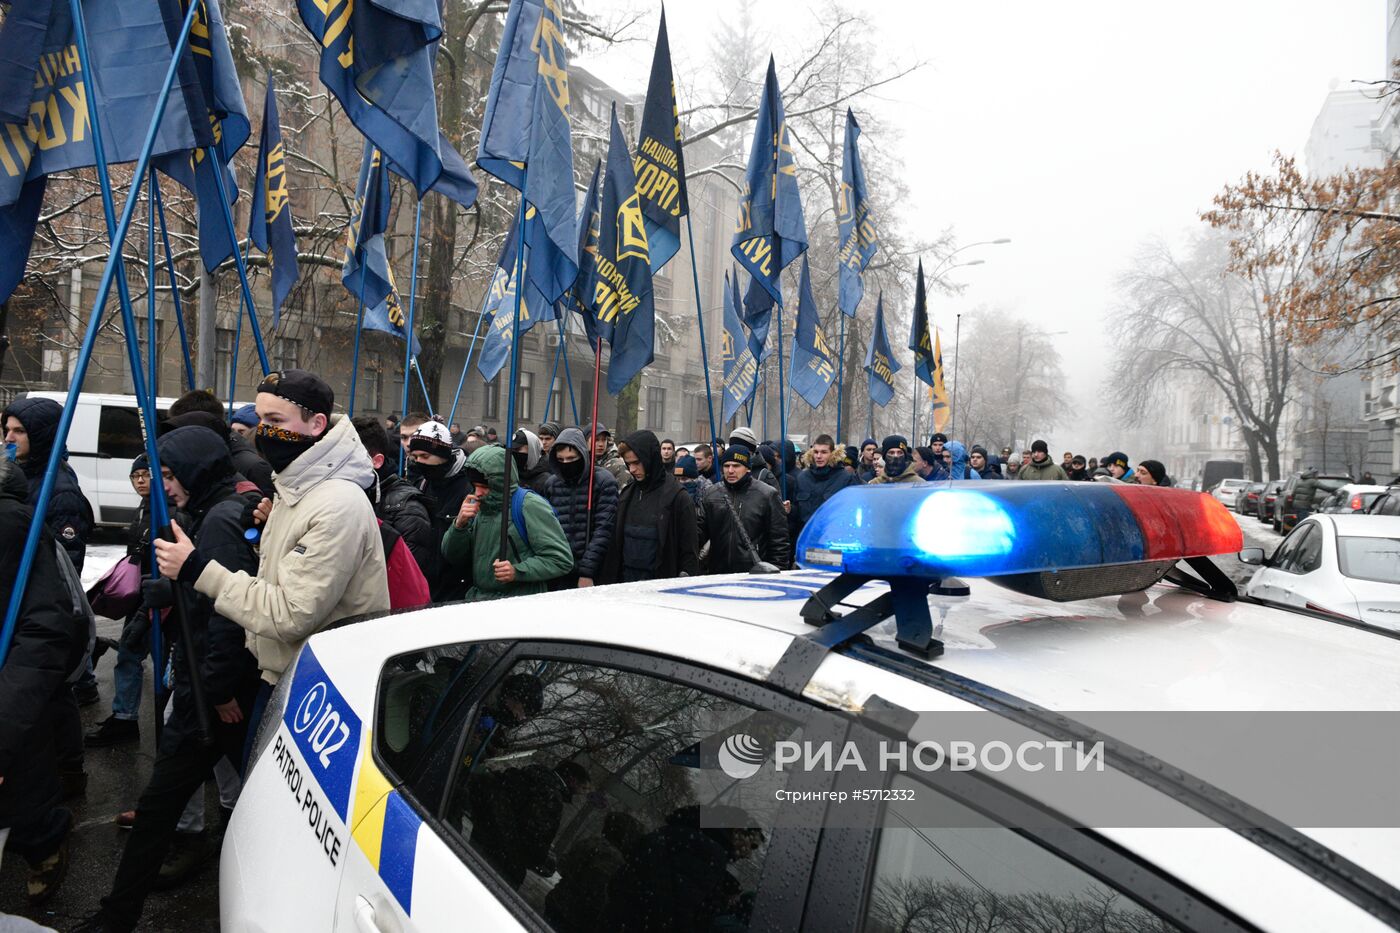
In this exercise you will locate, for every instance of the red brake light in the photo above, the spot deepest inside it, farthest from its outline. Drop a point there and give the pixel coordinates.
(1355, 503)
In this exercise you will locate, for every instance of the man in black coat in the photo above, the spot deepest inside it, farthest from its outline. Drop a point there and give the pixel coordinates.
(31, 424)
(49, 643)
(811, 487)
(590, 531)
(397, 502)
(442, 470)
(755, 504)
(655, 534)
(198, 477)
(247, 462)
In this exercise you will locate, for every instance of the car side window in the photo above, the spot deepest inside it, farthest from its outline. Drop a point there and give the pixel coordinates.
(584, 788)
(1308, 556)
(1392, 506)
(1288, 551)
(421, 704)
(968, 875)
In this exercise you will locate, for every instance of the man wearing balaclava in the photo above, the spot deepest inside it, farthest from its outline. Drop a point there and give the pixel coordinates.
(442, 468)
(899, 462)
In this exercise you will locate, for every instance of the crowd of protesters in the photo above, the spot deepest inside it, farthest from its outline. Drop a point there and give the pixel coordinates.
(287, 518)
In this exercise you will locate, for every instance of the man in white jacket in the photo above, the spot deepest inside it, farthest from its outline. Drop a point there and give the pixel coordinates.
(320, 554)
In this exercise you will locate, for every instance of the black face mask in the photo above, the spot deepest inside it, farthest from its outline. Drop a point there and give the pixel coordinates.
(521, 457)
(740, 484)
(279, 447)
(434, 472)
(894, 466)
(571, 471)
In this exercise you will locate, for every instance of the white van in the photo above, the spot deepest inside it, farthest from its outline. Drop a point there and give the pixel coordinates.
(104, 439)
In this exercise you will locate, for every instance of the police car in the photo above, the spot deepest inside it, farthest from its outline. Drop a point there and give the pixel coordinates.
(681, 754)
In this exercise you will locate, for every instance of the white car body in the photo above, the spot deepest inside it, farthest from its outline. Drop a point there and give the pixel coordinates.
(1356, 496)
(1227, 490)
(1305, 571)
(324, 839)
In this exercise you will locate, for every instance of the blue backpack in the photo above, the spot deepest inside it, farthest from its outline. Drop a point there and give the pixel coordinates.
(517, 511)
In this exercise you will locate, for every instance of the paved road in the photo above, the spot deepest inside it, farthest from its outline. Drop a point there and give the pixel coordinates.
(116, 777)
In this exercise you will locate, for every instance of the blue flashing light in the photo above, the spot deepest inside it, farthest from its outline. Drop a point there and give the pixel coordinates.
(990, 529)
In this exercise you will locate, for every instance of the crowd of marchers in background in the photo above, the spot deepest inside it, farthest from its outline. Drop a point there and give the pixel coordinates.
(287, 518)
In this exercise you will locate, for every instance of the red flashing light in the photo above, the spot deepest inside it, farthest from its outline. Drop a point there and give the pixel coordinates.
(1356, 503)
(1179, 523)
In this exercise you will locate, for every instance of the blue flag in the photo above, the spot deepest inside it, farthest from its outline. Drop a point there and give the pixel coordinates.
(526, 141)
(813, 362)
(660, 162)
(622, 297)
(740, 366)
(879, 360)
(589, 228)
(500, 305)
(227, 114)
(758, 317)
(44, 124)
(772, 231)
(270, 216)
(366, 258)
(919, 339)
(377, 59)
(857, 237)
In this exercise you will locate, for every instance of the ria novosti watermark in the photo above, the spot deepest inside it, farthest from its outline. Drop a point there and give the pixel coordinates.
(742, 756)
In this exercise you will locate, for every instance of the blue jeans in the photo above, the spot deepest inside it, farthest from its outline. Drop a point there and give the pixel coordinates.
(128, 675)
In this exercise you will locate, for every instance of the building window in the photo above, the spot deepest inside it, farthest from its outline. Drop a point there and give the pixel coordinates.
(286, 353)
(370, 387)
(525, 398)
(656, 408)
(223, 356)
(585, 404)
(556, 399)
(491, 406)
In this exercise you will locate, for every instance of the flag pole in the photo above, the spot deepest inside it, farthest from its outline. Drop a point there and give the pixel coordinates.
(423, 384)
(782, 411)
(553, 374)
(117, 232)
(593, 436)
(174, 286)
(466, 363)
(957, 338)
(233, 357)
(514, 375)
(409, 360)
(700, 319)
(151, 282)
(840, 375)
(218, 167)
(359, 322)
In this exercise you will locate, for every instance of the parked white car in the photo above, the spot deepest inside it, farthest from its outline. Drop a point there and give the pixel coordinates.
(1341, 565)
(1227, 490)
(1353, 497)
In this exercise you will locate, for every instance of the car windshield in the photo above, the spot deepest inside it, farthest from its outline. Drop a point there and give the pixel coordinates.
(1376, 559)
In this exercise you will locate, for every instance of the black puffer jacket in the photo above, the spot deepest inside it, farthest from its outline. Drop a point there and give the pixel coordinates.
(400, 505)
(49, 642)
(760, 510)
(199, 459)
(655, 534)
(570, 504)
(811, 487)
(69, 516)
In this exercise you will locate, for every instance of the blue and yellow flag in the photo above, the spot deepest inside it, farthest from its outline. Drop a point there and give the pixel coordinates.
(660, 162)
(813, 362)
(919, 340)
(858, 239)
(44, 123)
(772, 231)
(377, 59)
(500, 305)
(758, 317)
(526, 141)
(740, 367)
(622, 298)
(941, 409)
(226, 114)
(366, 258)
(589, 228)
(879, 359)
(270, 216)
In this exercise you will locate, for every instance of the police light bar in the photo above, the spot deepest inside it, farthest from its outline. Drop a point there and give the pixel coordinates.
(1004, 529)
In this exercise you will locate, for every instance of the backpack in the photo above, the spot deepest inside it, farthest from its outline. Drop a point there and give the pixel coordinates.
(408, 588)
(517, 511)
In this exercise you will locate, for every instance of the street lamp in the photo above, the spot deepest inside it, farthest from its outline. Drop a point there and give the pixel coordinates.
(997, 242)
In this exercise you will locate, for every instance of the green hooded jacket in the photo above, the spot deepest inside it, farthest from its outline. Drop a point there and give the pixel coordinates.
(548, 555)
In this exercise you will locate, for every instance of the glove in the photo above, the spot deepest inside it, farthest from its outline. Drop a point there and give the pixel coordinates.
(157, 593)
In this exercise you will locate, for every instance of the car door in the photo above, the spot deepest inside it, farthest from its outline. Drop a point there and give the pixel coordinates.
(1300, 579)
(1267, 582)
(573, 787)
